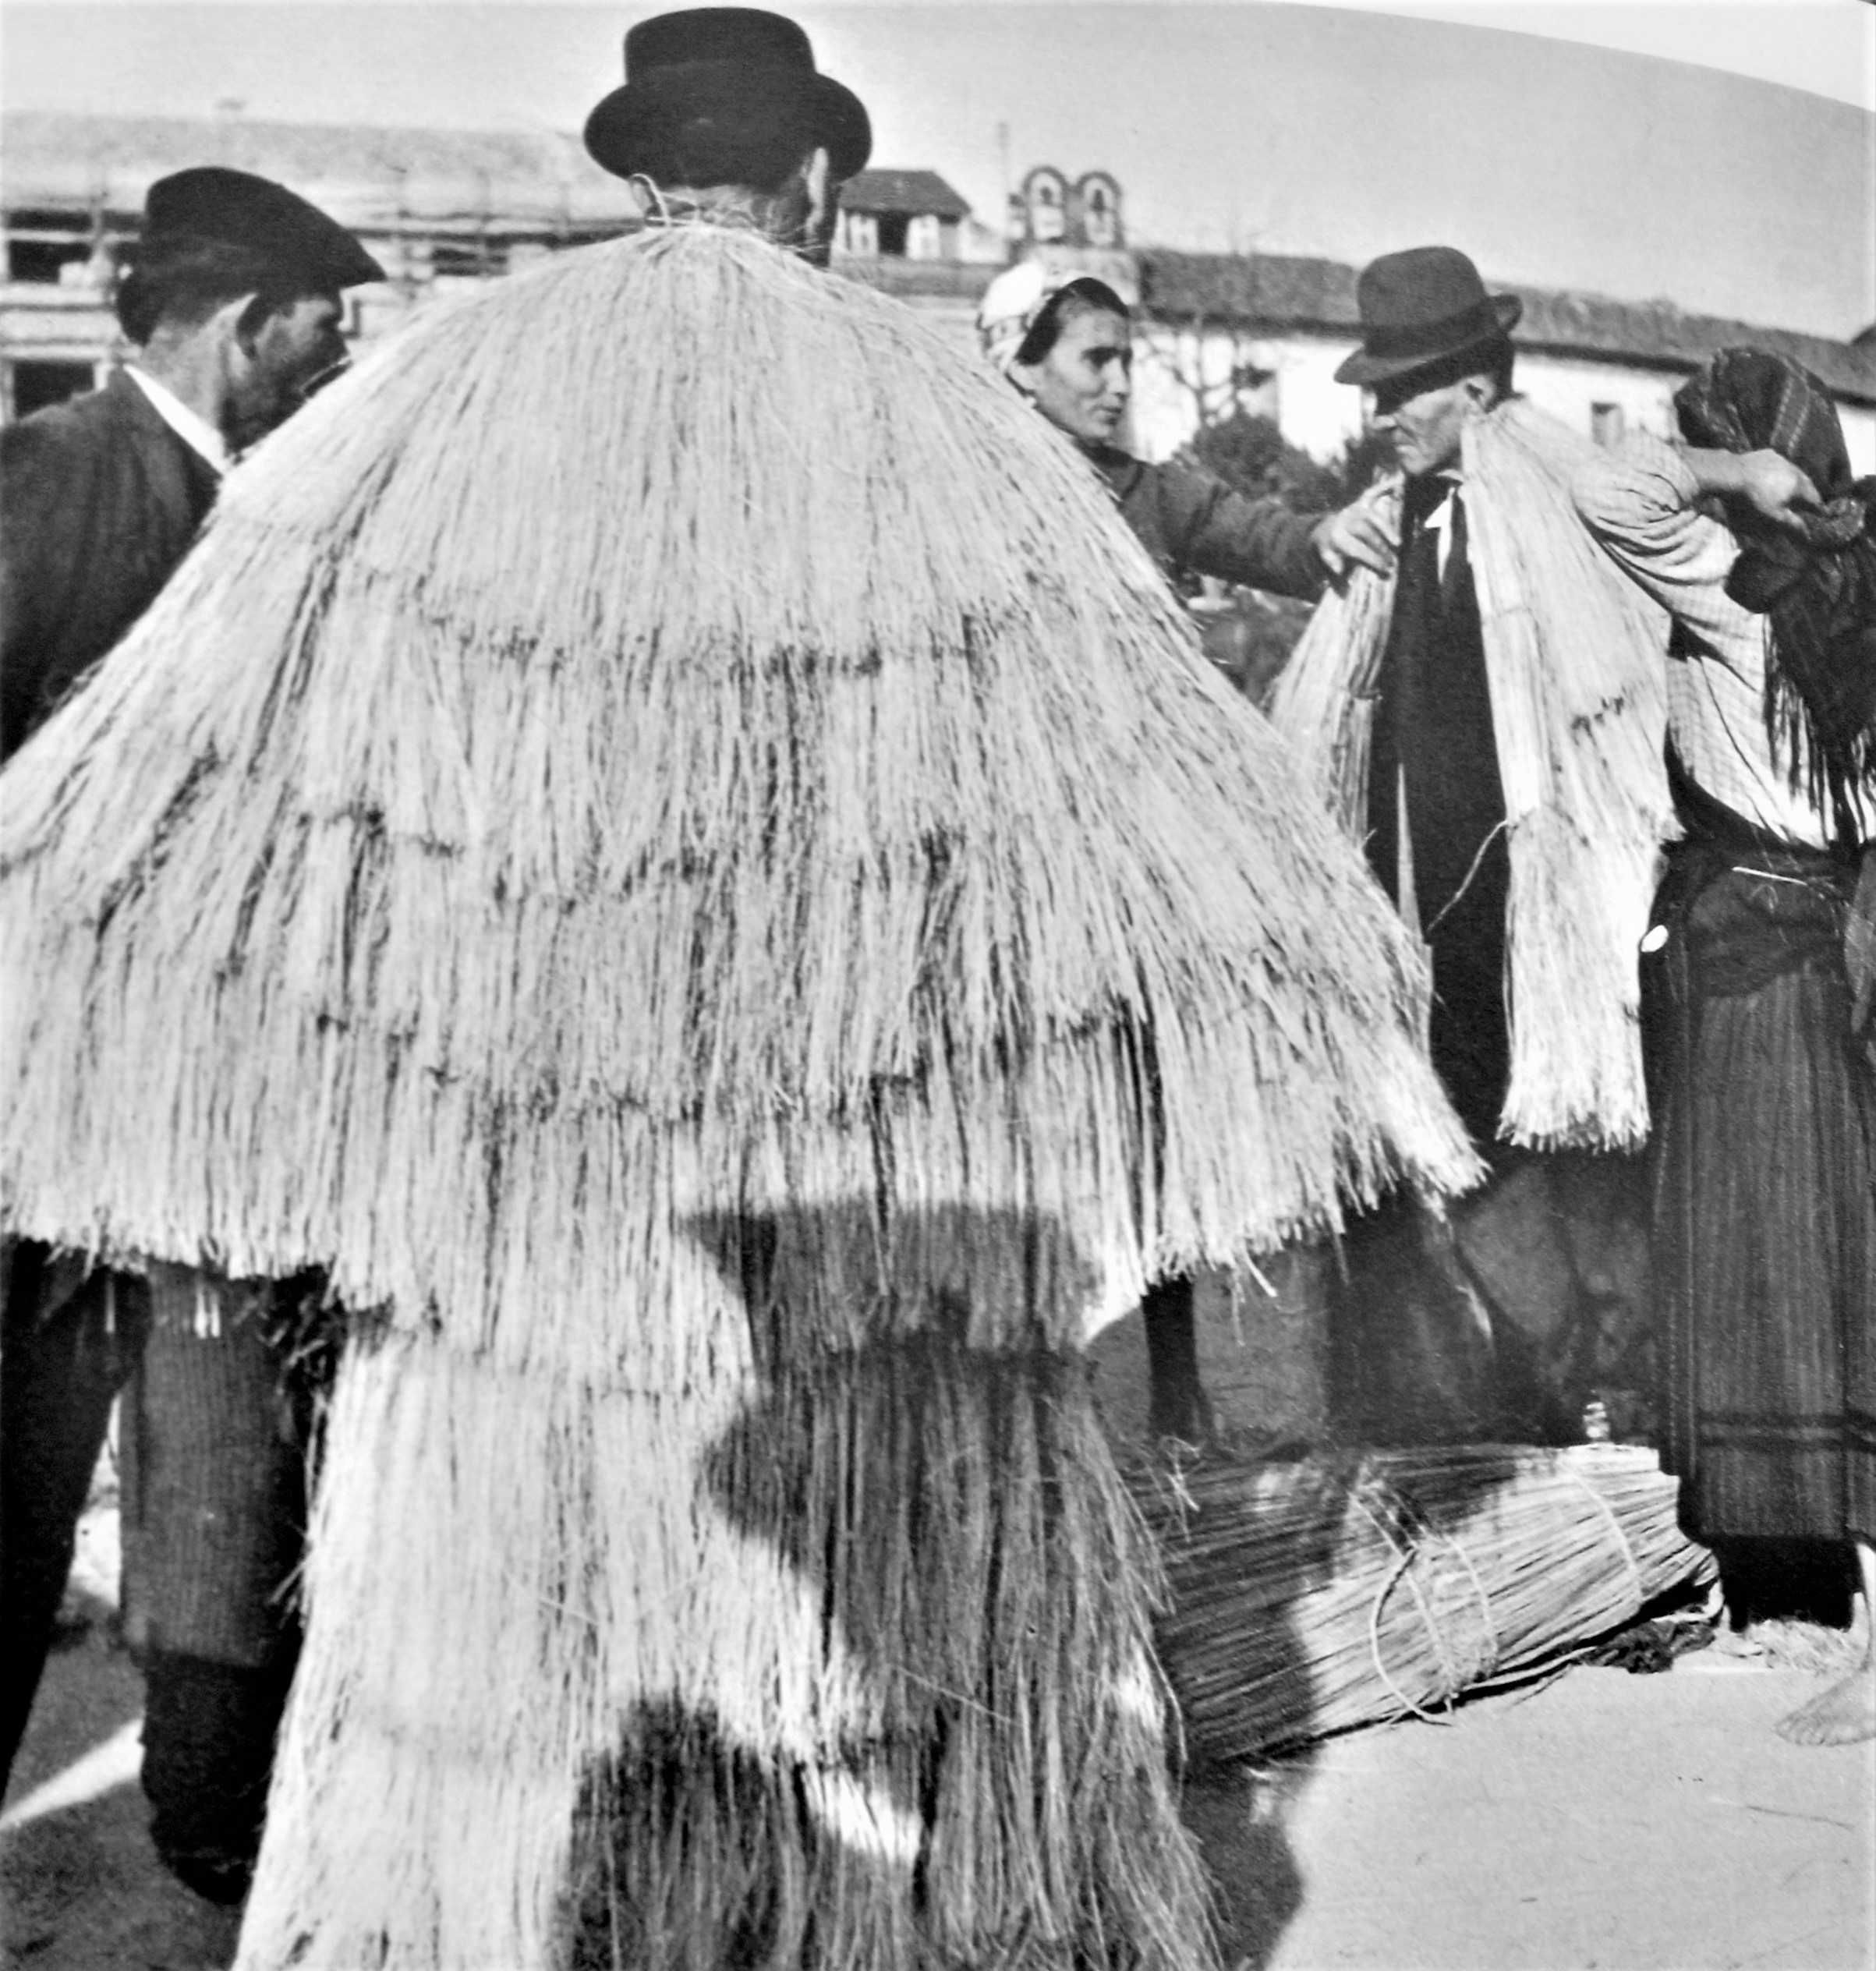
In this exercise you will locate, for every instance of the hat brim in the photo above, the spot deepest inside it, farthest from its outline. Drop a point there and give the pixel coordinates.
(619, 133)
(1365, 366)
(346, 264)
(294, 238)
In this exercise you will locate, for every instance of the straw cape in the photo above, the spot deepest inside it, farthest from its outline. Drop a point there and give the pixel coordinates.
(1575, 666)
(670, 840)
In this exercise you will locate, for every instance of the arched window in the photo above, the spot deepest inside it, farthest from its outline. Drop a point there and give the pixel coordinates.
(1098, 197)
(1046, 196)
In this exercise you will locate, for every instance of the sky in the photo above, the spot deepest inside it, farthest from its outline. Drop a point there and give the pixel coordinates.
(1720, 155)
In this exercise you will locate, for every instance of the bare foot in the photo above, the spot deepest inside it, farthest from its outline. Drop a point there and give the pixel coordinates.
(1844, 1715)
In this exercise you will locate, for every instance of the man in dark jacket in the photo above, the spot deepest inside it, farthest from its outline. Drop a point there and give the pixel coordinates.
(1493, 1330)
(233, 306)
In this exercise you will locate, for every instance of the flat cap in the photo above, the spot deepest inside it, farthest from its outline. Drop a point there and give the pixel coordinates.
(211, 202)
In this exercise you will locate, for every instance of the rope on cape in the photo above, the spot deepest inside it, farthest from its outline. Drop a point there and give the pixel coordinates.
(653, 195)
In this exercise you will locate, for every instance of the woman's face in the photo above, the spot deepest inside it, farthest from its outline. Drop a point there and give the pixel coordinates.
(1082, 385)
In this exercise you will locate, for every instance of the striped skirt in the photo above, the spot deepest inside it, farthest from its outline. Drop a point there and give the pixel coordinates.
(1765, 1224)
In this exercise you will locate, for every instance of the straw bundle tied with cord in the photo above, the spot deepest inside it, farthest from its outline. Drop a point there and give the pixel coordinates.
(670, 840)
(1310, 1596)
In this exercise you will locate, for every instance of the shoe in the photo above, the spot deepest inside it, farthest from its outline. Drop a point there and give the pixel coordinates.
(220, 1879)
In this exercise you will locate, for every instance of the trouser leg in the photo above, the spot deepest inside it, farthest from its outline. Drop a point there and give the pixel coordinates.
(209, 1730)
(1180, 1407)
(217, 1534)
(1409, 1343)
(59, 1373)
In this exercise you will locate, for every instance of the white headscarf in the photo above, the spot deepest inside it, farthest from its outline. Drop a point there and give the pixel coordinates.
(1013, 302)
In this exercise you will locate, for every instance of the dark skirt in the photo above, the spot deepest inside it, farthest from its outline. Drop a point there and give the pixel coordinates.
(1765, 1227)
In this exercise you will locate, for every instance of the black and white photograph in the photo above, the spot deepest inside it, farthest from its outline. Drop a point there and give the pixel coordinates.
(938, 985)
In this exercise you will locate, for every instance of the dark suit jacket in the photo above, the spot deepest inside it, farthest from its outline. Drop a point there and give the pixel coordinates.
(99, 501)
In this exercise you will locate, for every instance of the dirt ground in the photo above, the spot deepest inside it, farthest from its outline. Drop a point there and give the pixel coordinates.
(1596, 1821)
(1600, 1820)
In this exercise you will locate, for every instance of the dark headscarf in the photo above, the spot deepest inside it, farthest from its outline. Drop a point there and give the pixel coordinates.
(1817, 584)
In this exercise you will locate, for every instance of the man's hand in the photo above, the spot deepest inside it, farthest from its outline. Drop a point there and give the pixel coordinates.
(1766, 481)
(1362, 534)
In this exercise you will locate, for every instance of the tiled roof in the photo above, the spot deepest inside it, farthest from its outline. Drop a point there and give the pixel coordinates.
(358, 173)
(1277, 288)
(909, 192)
(1283, 291)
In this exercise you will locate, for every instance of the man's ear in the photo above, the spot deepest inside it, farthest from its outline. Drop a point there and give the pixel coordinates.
(823, 194)
(246, 317)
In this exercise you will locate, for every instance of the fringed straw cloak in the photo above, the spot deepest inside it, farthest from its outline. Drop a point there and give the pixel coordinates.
(1576, 665)
(671, 840)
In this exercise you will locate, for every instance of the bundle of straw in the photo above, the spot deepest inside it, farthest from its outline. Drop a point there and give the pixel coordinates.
(1337, 1591)
(1576, 663)
(670, 840)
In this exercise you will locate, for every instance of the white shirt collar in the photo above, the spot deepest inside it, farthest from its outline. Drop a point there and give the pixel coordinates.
(1440, 520)
(193, 429)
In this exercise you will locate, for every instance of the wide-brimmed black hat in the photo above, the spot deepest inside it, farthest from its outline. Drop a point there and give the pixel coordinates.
(276, 226)
(720, 60)
(1417, 308)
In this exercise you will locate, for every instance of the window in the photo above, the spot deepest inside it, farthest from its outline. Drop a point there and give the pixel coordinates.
(1606, 423)
(467, 259)
(1046, 192)
(31, 386)
(40, 245)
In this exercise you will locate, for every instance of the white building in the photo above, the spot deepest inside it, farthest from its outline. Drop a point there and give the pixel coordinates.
(441, 208)
(438, 208)
(893, 214)
(1266, 332)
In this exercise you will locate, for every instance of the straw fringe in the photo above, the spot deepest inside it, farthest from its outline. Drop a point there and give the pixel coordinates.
(972, 1543)
(862, 1658)
(430, 784)
(666, 748)
(1576, 661)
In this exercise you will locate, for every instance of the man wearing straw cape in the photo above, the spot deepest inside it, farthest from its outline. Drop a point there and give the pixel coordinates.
(630, 847)
(1489, 721)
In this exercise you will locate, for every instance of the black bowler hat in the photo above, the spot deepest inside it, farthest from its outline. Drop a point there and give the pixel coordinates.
(1420, 306)
(720, 60)
(278, 227)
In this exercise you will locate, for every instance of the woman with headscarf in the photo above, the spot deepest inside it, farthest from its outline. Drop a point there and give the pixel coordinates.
(1065, 340)
(1763, 957)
